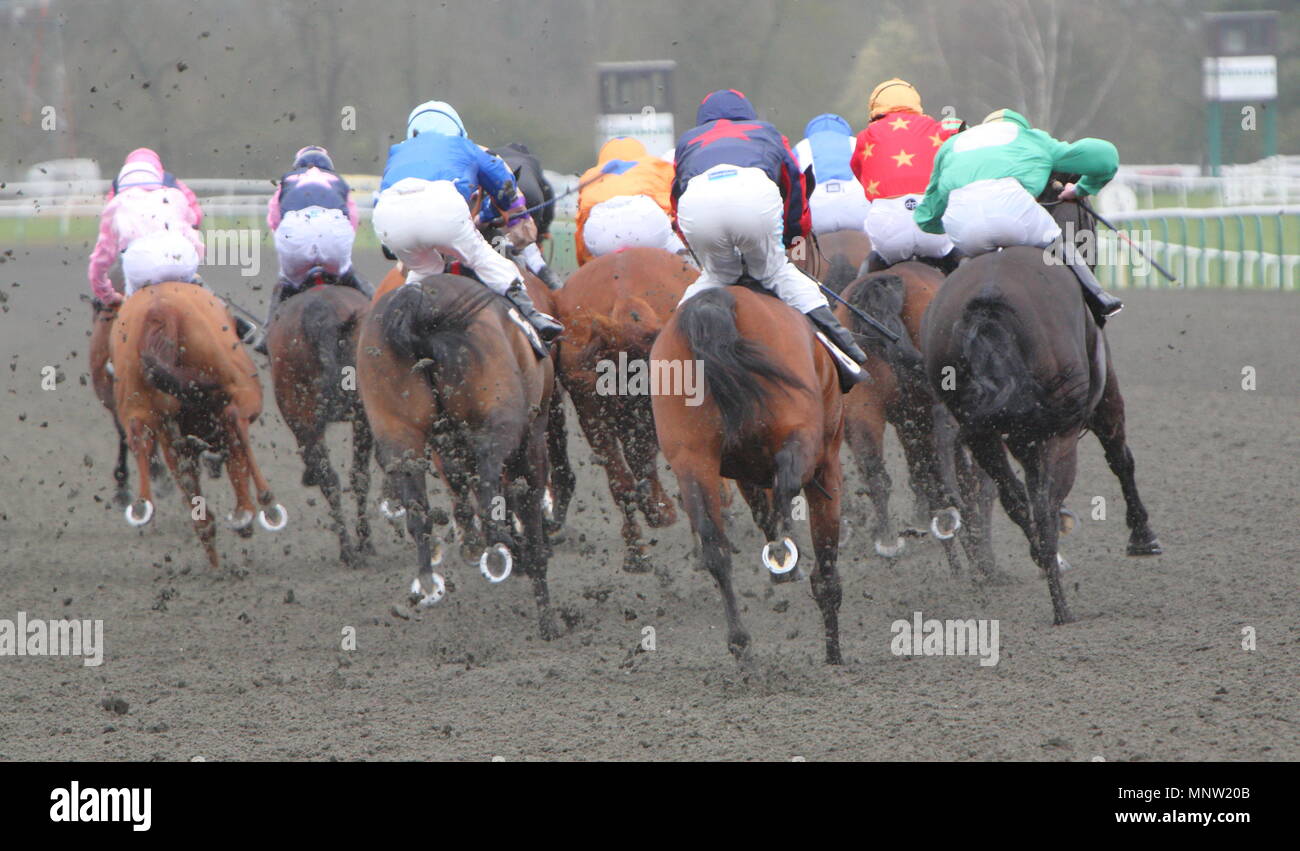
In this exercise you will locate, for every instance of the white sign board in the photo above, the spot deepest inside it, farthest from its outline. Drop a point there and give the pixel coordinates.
(652, 129)
(1240, 78)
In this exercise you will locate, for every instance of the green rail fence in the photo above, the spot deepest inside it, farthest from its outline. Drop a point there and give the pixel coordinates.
(1219, 247)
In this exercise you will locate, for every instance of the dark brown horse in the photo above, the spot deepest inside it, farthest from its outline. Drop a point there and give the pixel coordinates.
(312, 344)
(899, 394)
(612, 310)
(559, 494)
(446, 373)
(184, 384)
(772, 420)
(835, 258)
(1018, 360)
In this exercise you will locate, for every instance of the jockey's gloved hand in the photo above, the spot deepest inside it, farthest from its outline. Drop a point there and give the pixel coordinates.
(388, 252)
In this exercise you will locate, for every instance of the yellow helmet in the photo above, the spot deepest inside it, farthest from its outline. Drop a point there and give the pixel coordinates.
(894, 96)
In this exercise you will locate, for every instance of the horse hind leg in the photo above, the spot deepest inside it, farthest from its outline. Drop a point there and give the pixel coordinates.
(407, 484)
(865, 433)
(362, 447)
(641, 450)
(823, 496)
(122, 494)
(183, 461)
(316, 460)
(142, 438)
(241, 457)
(920, 449)
(780, 554)
(1108, 424)
(563, 481)
(1040, 461)
(701, 495)
(534, 545)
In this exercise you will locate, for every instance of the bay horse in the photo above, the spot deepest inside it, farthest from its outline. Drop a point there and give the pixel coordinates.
(1016, 357)
(616, 305)
(835, 258)
(183, 383)
(559, 493)
(772, 420)
(312, 345)
(446, 375)
(899, 394)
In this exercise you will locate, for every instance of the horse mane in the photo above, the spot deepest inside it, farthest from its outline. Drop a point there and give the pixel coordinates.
(999, 390)
(732, 364)
(431, 323)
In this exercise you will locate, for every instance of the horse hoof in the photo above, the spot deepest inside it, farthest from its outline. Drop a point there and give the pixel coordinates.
(1061, 565)
(789, 560)
(636, 562)
(548, 506)
(954, 524)
(243, 521)
(279, 512)
(496, 556)
(1146, 548)
(387, 510)
(139, 521)
(890, 552)
(1069, 520)
(213, 460)
(430, 596)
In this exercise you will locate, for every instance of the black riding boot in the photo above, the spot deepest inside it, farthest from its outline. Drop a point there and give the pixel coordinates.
(547, 328)
(547, 276)
(825, 320)
(948, 262)
(350, 278)
(1102, 304)
(278, 294)
(875, 263)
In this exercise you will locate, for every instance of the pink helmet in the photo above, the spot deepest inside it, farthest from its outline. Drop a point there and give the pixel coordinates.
(142, 167)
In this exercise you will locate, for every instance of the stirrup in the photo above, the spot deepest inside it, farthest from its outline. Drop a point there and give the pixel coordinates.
(850, 373)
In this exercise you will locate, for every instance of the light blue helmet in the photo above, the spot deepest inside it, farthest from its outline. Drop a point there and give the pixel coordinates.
(434, 116)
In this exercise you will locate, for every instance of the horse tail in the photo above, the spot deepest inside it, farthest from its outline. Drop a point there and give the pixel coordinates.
(1000, 390)
(160, 356)
(881, 297)
(732, 364)
(432, 329)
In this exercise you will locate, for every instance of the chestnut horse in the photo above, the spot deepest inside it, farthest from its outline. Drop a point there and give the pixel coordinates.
(772, 420)
(899, 394)
(445, 372)
(836, 258)
(184, 383)
(312, 344)
(615, 305)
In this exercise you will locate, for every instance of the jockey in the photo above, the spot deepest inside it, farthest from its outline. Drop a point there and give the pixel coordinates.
(836, 200)
(423, 209)
(892, 159)
(625, 200)
(151, 221)
(526, 232)
(986, 181)
(739, 200)
(314, 221)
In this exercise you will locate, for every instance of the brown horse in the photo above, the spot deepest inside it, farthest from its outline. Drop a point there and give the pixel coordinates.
(1017, 358)
(184, 383)
(612, 310)
(312, 344)
(899, 394)
(772, 420)
(559, 493)
(836, 258)
(445, 372)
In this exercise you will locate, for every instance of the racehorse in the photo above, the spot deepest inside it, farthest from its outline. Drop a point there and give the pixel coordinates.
(101, 379)
(772, 420)
(835, 258)
(899, 393)
(312, 343)
(445, 371)
(612, 309)
(1017, 358)
(184, 383)
(559, 493)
